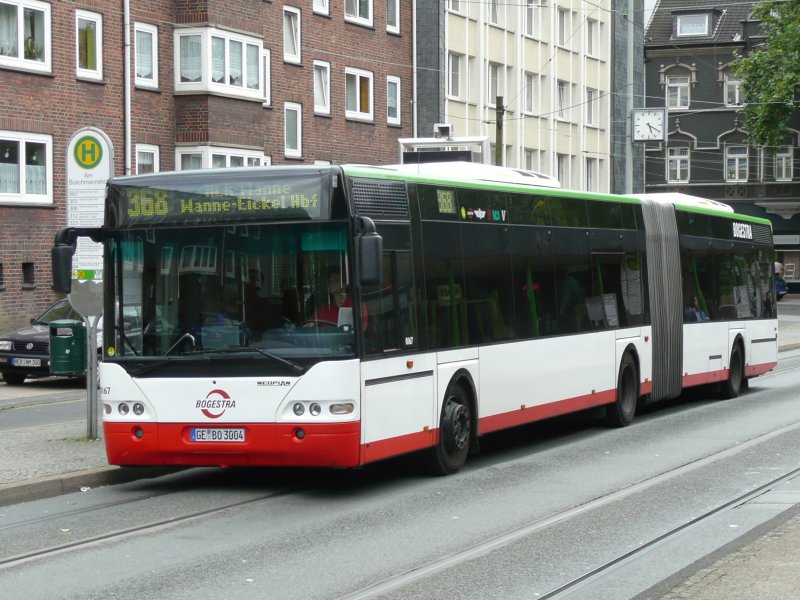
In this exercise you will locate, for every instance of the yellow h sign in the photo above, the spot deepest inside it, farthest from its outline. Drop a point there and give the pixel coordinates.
(88, 152)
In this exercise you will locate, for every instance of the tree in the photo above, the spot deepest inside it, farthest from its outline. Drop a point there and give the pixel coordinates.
(770, 74)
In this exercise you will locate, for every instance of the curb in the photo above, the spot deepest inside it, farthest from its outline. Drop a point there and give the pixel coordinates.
(68, 483)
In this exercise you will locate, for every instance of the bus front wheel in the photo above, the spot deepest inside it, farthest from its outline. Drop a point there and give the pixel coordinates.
(455, 432)
(621, 412)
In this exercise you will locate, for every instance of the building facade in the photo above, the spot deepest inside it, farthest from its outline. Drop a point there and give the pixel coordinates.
(560, 69)
(689, 49)
(208, 83)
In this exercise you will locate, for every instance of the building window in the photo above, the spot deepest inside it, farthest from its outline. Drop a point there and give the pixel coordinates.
(678, 91)
(212, 60)
(204, 157)
(454, 68)
(26, 161)
(562, 166)
(732, 91)
(28, 275)
(291, 34)
(322, 87)
(454, 6)
(563, 99)
(678, 164)
(147, 159)
(393, 16)
(591, 174)
(494, 12)
(784, 163)
(293, 128)
(321, 7)
(592, 110)
(146, 40)
(25, 35)
(495, 81)
(358, 11)
(735, 163)
(530, 92)
(563, 27)
(393, 100)
(688, 25)
(358, 94)
(530, 17)
(592, 28)
(89, 42)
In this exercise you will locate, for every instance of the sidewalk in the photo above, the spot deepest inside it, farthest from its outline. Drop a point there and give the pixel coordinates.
(49, 460)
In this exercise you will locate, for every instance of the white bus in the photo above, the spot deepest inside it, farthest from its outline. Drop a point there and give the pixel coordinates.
(339, 315)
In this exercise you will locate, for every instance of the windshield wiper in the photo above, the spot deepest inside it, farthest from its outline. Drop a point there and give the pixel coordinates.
(143, 368)
(295, 366)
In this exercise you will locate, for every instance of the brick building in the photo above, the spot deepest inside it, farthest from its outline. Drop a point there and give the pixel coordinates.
(211, 83)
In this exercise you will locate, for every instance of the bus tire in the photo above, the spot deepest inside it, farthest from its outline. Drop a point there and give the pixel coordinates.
(622, 411)
(455, 432)
(733, 384)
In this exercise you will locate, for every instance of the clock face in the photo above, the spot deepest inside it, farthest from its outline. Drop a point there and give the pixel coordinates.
(648, 125)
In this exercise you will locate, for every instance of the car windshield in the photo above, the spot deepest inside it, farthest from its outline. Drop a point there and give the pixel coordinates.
(187, 292)
(60, 310)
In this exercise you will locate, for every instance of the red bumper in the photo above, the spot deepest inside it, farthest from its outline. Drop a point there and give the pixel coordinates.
(268, 444)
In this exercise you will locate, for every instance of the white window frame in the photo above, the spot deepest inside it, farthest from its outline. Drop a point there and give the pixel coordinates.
(494, 82)
(19, 61)
(687, 21)
(151, 149)
(297, 109)
(563, 27)
(206, 152)
(495, 12)
(562, 169)
(591, 173)
(733, 84)
(592, 107)
(291, 29)
(562, 100)
(739, 161)
(321, 7)
(206, 83)
(354, 16)
(529, 96)
(681, 84)
(454, 6)
(152, 30)
(396, 120)
(96, 73)
(393, 13)
(529, 20)
(22, 197)
(592, 41)
(784, 163)
(454, 75)
(680, 156)
(358, 74)
(321, 66)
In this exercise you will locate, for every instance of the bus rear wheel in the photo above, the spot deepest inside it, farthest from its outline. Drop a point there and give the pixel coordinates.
(455, 432)
(621, 412)
(733, 385)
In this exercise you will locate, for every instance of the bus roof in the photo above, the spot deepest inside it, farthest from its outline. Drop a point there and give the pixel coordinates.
(686, 200)
(460, 171)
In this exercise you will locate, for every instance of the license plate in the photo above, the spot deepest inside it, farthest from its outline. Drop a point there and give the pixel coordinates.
(26, 362)
(218, 434)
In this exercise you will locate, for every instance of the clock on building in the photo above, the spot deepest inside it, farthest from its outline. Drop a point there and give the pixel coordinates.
(649, 124)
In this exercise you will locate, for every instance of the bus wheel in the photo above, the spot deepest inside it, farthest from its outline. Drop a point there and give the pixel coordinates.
(733, 385)
(455, 431)
(621, 412)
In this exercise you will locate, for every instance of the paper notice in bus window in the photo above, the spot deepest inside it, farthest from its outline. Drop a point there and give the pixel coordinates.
(447, 201)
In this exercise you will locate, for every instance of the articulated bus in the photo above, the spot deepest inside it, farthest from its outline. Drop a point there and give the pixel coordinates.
(339, 315)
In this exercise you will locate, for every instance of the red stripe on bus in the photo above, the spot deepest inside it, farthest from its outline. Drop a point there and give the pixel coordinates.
(396, 446)
(322, 445)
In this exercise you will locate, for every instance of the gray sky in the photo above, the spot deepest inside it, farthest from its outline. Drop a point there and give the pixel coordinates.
(648, 8)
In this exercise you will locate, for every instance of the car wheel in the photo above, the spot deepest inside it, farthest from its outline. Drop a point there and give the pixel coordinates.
(14, 378)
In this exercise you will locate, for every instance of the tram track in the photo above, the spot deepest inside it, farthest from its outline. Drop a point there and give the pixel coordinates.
(395, 583)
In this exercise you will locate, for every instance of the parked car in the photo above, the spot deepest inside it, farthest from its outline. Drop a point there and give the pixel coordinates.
(781, 289)
(25, 352)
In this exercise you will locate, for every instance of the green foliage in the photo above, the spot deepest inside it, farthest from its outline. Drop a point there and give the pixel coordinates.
(770, 75)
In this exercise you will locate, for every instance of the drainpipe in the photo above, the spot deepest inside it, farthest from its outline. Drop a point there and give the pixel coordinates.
(414, 70)
(126, 79)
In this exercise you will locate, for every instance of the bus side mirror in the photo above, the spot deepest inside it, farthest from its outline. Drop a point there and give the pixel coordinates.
(61, 258)
(370, 254)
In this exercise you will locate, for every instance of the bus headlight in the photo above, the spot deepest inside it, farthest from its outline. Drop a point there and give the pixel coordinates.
(124, 409)
(298, 408)
(345, 408)
(138, 409)
(315, 409)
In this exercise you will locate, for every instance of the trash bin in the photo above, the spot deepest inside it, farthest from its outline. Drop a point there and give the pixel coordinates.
(67, 347)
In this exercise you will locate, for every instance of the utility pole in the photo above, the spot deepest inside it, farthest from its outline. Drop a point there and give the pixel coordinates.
(629, 112)
(498, 129)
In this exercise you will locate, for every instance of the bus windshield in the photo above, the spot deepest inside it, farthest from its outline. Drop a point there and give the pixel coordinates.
(278, 291)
